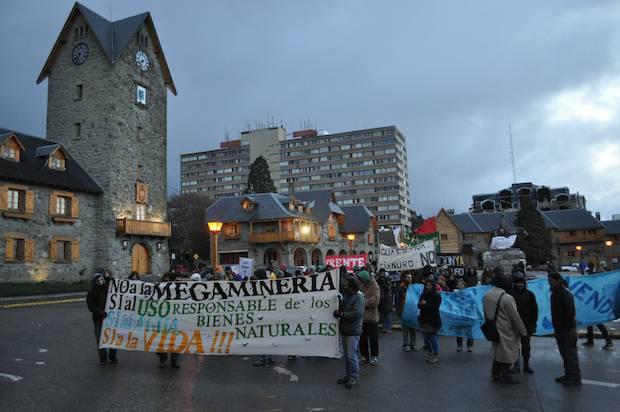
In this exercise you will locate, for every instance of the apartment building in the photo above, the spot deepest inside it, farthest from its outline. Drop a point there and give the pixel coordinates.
(366, 167)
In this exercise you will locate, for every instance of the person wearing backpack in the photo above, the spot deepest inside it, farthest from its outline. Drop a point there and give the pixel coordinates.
(502, 308)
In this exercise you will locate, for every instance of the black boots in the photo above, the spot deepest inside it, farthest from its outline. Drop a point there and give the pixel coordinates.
(526, 366)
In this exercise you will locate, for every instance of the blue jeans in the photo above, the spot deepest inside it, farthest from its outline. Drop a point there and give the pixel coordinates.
(352, 364)
(386, 320)
(431, 342)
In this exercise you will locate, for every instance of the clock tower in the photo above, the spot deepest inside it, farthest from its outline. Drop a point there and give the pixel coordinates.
(107, 90)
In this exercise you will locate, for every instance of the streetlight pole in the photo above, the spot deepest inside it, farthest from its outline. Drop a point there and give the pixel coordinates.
(608, 245)
(214, 228)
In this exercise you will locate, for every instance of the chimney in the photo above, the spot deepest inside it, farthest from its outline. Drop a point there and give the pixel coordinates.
(598, 215)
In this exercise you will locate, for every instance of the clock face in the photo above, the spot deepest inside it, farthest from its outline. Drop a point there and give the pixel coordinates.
(142, 60)
(80, 53)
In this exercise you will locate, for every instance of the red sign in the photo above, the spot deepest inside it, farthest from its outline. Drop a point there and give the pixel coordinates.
(349, 261)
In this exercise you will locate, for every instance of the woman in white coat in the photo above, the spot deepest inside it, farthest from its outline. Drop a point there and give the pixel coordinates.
(509, 325)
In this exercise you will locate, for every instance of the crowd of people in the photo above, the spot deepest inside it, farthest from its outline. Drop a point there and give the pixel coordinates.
(370, 299)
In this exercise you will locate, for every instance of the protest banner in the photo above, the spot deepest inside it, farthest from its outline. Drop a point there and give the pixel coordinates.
(407, 258)
(597, 300)
(455, 262)
(289, 316)
(246, 267)
(349, 261)
(503, 242)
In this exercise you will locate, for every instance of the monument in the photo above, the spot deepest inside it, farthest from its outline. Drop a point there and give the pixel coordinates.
(501, 253)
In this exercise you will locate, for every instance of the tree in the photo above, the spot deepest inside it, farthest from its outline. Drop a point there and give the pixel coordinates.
(189, 236)
(259, 178)
(536, 242)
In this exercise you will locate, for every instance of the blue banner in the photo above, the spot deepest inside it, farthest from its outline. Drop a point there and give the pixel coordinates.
(597, 300)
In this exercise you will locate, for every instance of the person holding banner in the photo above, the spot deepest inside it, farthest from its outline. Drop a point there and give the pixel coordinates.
(430, 319)
(409, 337)
(95, 300)
(163, 357)
(351, 314)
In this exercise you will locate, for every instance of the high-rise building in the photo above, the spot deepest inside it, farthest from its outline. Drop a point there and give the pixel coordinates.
(366, 167)
(224, 172)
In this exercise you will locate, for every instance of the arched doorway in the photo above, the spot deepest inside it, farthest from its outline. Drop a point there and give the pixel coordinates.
(271, 255)
(317, 257)
(300, 257)
(342, 252)
(139, 259)
(331, 252)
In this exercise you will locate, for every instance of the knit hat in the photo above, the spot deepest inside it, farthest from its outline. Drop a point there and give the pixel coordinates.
(364, 276)
(195, 277)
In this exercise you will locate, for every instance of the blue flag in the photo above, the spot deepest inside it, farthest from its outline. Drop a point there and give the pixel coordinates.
(597, 300)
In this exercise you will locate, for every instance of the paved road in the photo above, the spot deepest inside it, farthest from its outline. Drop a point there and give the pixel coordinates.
(52, 349)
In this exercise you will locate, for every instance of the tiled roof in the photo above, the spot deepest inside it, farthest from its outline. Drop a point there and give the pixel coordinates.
(324, 203)
(569, 219)
(612, 227)
(356, 219)
(32, 167)
(268, 206)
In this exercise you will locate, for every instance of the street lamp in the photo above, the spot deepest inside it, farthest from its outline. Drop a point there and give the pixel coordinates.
(402, 245)
(351, 238)
(214, 228)
(609, 244)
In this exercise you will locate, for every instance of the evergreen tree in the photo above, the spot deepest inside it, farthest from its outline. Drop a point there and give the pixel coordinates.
(259, 178)
(536, 244)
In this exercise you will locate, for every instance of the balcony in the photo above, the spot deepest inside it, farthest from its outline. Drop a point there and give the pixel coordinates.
(289, 236)
(141, 227)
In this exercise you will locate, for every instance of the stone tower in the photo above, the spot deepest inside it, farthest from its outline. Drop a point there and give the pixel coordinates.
(107, 91)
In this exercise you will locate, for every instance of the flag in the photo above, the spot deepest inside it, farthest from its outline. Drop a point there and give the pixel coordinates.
(427, 227)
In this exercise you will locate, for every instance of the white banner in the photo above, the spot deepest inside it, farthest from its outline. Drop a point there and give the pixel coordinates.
(246, 267)
(289, 316)
(408, 258)
(502, 242)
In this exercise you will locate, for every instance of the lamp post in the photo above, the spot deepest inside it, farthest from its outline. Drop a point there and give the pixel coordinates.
(214, 228)
(351, 238)
(608, 245)
(579, 249)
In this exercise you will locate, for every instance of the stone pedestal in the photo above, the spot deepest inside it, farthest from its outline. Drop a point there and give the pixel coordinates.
(504, 259)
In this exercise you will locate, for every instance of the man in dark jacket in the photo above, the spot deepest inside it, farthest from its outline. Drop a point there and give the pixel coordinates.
(351, 313)
(95, 300)
(528, 312)
(565, 329)
(386, 305)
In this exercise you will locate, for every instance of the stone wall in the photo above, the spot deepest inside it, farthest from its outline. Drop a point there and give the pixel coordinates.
(503, 259)
(41, 228)
(120, 140)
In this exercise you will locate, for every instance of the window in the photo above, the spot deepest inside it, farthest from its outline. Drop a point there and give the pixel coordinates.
(9, 153)
(571, 253)
(77, 130)
(18, 248)
(140, 134)
(232, 230)
(140, 94)
(140, 212)
(57, 163)
(444, 236)
(63, 250)
(63, 206)
(78, 92)
(15, 200)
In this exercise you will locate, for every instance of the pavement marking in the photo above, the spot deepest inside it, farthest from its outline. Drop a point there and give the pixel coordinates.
(45, 302)
(13, 378)
(284, 371)
(600, 383)
(41, 350)
(18, 359)
(40, 363)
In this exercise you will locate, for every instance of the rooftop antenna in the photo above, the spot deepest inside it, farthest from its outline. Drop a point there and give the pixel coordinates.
(111, 32)
(512, 155)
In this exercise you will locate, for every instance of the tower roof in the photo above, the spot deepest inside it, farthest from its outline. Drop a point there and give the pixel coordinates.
(112, 37)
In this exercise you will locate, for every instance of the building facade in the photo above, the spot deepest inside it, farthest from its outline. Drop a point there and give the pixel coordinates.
(544, 197)
(367, 167)
(291, 230)
(107, 107)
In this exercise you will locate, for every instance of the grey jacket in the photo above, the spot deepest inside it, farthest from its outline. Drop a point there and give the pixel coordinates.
(352, 308)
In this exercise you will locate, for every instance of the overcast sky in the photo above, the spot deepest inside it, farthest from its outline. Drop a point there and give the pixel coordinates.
(450, 75)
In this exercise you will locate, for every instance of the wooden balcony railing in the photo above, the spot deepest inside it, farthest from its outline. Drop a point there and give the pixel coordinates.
(141, 227)
(274, 237)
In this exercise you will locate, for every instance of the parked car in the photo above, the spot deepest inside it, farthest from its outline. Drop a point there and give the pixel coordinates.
(570, 268)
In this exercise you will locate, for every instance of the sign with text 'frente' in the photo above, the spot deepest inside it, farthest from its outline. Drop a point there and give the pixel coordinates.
(288, 316)
(349, 261)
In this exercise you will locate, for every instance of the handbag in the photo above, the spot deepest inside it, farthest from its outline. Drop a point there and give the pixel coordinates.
(488, 328)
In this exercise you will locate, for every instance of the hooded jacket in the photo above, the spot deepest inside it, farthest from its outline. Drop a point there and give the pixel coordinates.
(527, 307)
(96, 298)
(352, 308)
(429, 312)
(371, 292)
